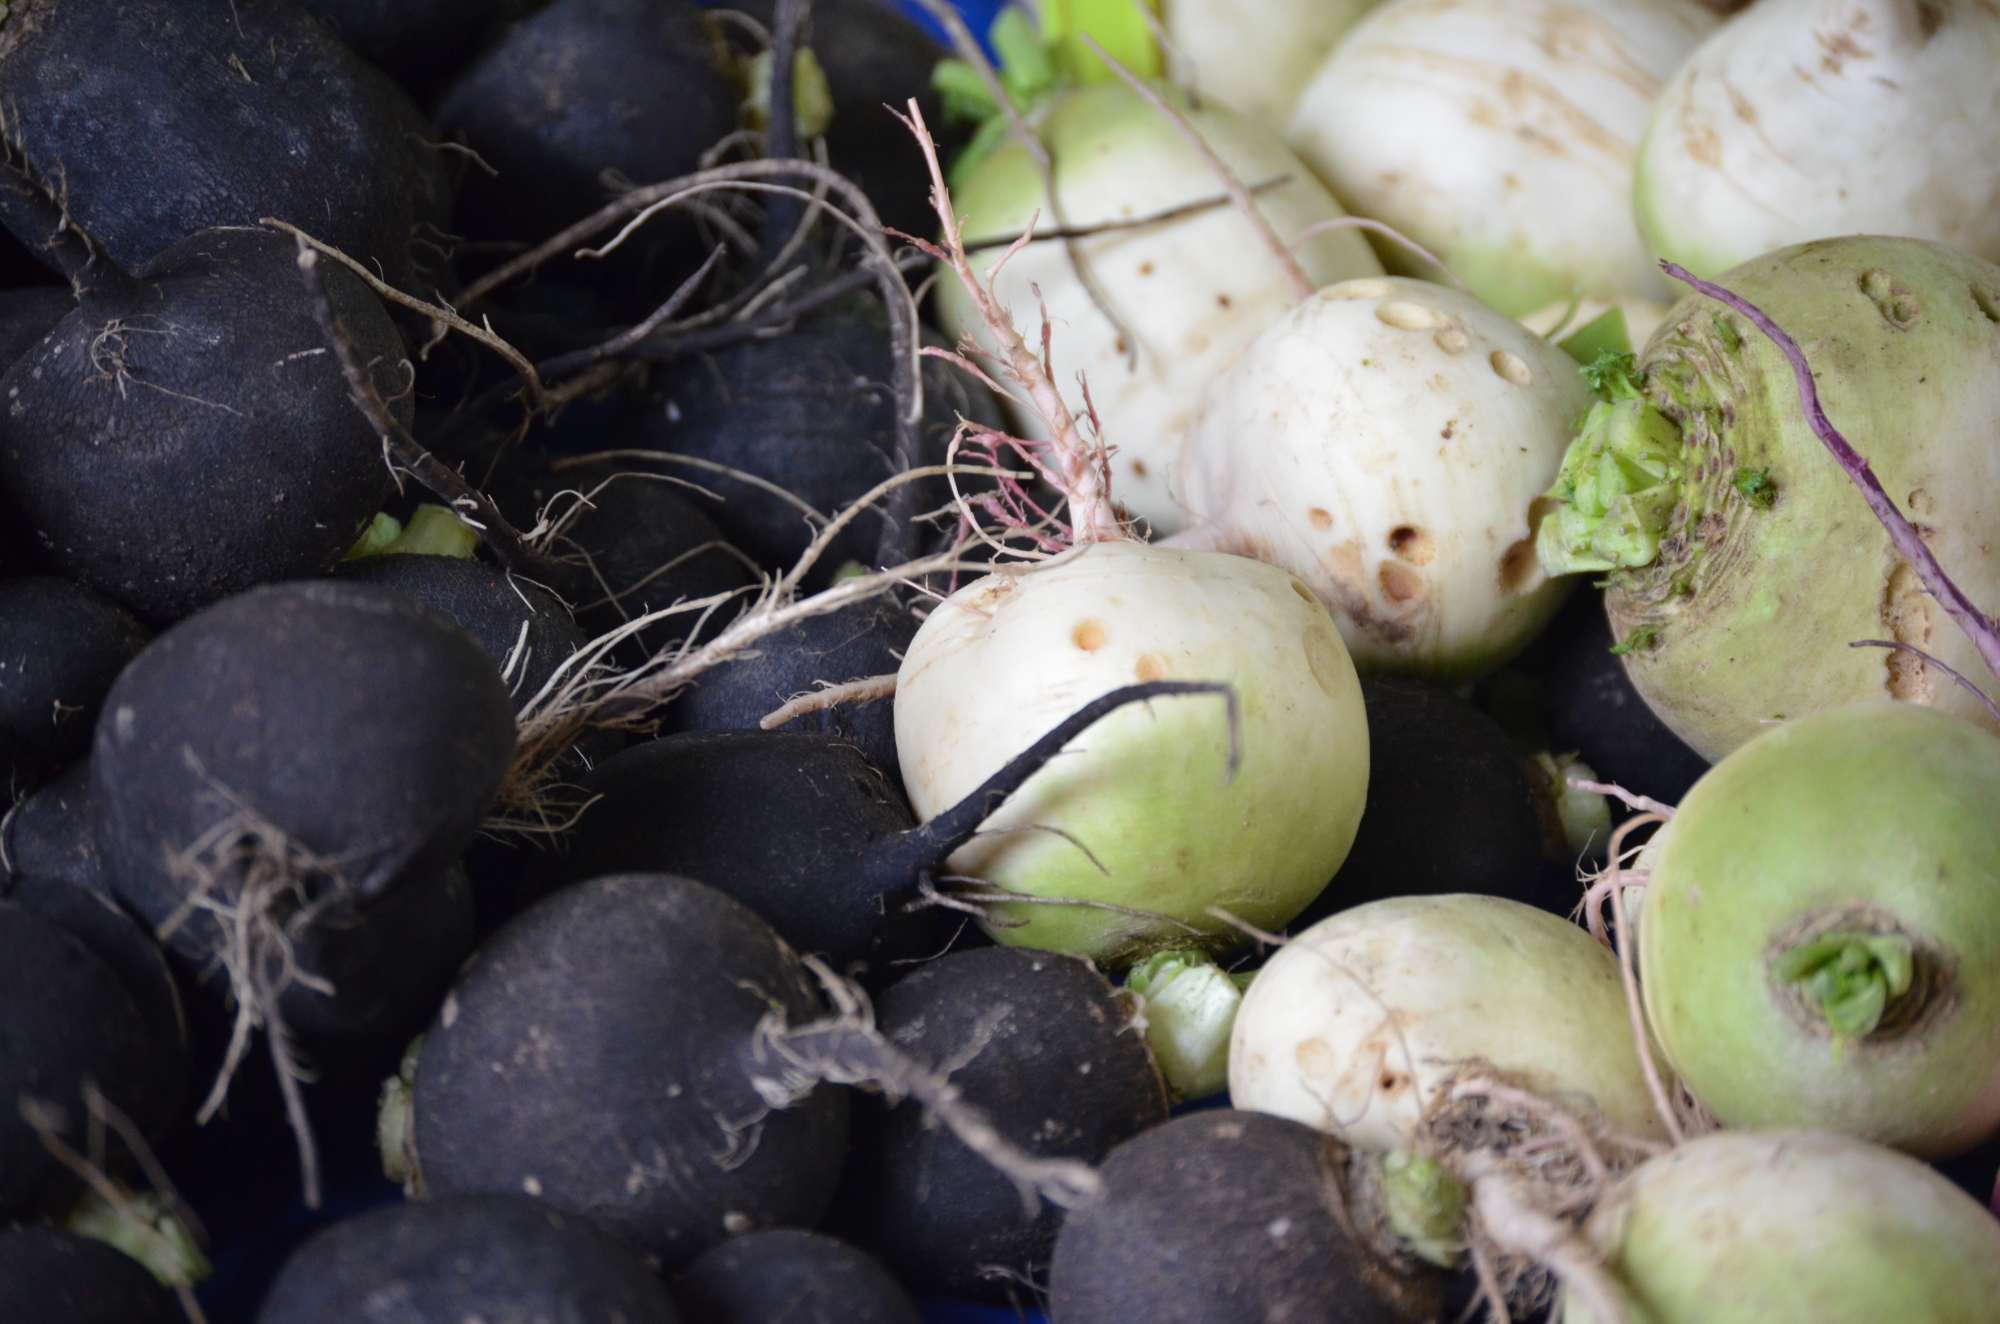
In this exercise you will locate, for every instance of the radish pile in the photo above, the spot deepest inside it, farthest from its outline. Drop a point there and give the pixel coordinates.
(1173, 661)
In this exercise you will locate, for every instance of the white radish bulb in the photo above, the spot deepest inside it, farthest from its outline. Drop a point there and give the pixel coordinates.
(1501, 134)
(1809, 119)
(1255, 66)
(1140, 812)
(1359, 1024)
(1388, 441)
(1188, 292)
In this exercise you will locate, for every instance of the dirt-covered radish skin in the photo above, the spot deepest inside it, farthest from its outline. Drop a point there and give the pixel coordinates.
(1256, 68)
(208, 724)
(1363, 1024)
(525, 1083)
(578, 88)
(1819, 935)
(783, 822)
(64, 646)
(251, 111)
(792, 1275)
(1388, 441)
(1814, 118)
(53, 1277)
(1501, 134)
(1794, 1227)
(74, 1023)
(1183, 317)
(1148, 816)
(1220, 1216)
(1044, 1044)
(865, 640)
(206, 386)
(502, 1259)
(1742, 560)
(1435, 759)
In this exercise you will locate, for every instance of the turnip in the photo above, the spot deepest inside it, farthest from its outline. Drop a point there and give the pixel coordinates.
(1157, 317)
(1162, 816)
(252, 111)
(1255, 66)
(1364, 1024)
(54, 1277)
(1045, 1046)
(1501, 134)
(64, 647)
(1793, 1227)
(1818, 937)
(524, 1083)
(1742, 562)
(1228, 1216)
(1808, 119)
(1388, 441)
(183, 433)
(505, 1259)
(789, 1274)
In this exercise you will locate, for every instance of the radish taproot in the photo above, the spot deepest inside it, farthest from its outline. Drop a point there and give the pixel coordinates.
(1818, 935)
(1170, 317)
(1742, 562)
(1793, 1227)
(251, 111)
(1160, 817)
(1501, 134)
(1046, 1048)
(1401, 478)
(1233, 1215)
(523, 1083)
(1886, 136)
(500, 1258)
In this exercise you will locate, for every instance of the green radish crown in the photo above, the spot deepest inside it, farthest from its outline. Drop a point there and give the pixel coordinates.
(1035, 61)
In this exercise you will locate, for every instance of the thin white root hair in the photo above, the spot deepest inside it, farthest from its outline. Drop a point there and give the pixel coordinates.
(1264, 937)
(1644, 804)
(869, 689)
(1513, 1224)
(847, 1049)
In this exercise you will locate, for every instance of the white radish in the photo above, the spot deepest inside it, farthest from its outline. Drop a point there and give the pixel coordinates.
(1809, 119)
(1187, 293)
(1388, 441)
(1501, 134)
(1255, 66)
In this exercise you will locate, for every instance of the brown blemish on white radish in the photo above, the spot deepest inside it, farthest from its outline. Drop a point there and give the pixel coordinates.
(1088, 635)
(1400, 584)
(1151, 666)
(1511, 367)
(1406, 316)
(1907, 610)
(1314, 1058)
(1412, 544)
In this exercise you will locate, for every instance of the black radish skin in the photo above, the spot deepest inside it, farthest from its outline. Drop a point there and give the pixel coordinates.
(793, 1276)
(496, 1259)
(52, 1277)
(524, 629)
(1591, 708)
(29, 313)
(875, 57)
(160, 1076)
(599, 1053)
(187, 434)
(1222, 1216)
(389, 960)
(1452, 807)
(1044, 1044)
(647, 542)
(61, 646)
(862, 640)
(578, 89)
(813, 413)
(162, 118)
(70, 1022)
(784, 822)
(52, 834)
(419, 43)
